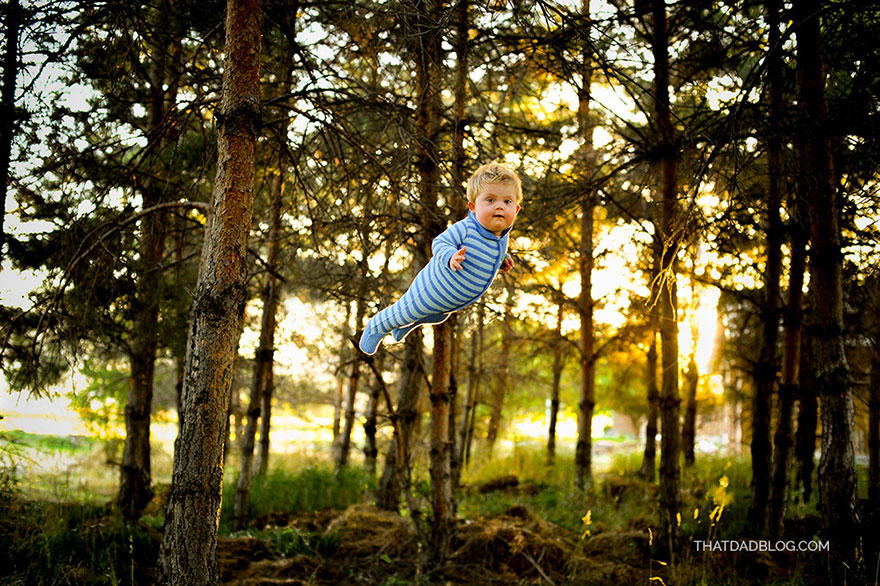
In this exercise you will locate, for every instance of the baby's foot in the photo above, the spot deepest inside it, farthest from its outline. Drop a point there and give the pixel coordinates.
(370, 342)
(401, 333)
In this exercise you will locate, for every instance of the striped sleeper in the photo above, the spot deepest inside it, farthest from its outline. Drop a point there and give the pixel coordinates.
(437, 291)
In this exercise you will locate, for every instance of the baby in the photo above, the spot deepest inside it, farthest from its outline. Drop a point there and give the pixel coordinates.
(466, 258)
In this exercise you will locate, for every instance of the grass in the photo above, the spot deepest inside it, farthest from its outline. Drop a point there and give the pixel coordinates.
(73, 537)
(283, 491)
(15, 439)
(60, 543)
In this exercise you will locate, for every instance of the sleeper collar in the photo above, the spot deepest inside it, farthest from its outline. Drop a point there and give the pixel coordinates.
(472, 219)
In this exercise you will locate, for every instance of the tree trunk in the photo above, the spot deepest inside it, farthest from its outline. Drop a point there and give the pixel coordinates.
(429, 54)
(807, 417)
(475, 374)
(583, 456)
(409, 389)
(135, 478)
(874, 432)
(501, 382)
(584, 447)
(189, 545)
(782, 439)
(670, 238)
(558, 364)
(370, 425)
(454, 460)
(838, 496)
(13, 23)
(344, 356)
(442, 497)
(262, 465)
(460, 91)
(264, 358)
(767, 366)
(648, 470)
(689, 426)
(344, 445)
(789, 390)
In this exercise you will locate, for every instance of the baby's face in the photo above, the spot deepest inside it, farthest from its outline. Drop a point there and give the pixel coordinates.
(495, 207)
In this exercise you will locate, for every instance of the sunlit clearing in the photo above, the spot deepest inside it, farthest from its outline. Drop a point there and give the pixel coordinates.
(535, 427)
(715, 383)
(41, 415)
(703, 322)
(614, 279)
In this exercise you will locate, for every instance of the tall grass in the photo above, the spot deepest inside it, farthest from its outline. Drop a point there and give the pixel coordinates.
(57, 543)
(283, 491)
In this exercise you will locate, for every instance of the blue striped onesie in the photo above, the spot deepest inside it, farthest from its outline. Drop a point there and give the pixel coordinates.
(437, 291)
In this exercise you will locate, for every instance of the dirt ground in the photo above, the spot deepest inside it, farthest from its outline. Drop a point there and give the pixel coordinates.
(366, 546)
(377, 547)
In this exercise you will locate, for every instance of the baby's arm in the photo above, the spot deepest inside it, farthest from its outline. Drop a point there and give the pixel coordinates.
(507, 263)
(448, 247)
(457, 259)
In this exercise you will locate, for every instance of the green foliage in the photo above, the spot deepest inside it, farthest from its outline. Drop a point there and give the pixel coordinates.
(54, 543)
(291, 541)
(10, 440)
(311, 489)
(101, 404)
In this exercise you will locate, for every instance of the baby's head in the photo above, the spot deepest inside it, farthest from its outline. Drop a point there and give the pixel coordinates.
(493, 173)
(494, 192)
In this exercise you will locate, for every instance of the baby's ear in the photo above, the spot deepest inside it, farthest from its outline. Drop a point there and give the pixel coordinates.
(471, 206)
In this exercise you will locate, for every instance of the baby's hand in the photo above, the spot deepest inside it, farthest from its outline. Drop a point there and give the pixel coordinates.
(507, 264)
(457, 258)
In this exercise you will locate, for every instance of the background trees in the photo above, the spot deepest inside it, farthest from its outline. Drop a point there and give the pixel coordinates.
(662, 168)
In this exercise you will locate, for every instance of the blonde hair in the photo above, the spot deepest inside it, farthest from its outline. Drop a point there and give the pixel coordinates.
(493, 173)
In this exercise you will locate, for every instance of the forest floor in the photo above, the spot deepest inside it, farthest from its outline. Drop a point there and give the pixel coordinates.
(373, 547)
(315, 526)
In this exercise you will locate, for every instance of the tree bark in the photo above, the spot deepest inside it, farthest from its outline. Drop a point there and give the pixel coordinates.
(189, 545)
(442, 496)
(13, 20)
(370, 417)
(163, 78)
(648, 470)
(460, 91)
(689, 426)
(874, 432)
(767, 367)
(475, 375)
(583, 469)
(838, 494)
(500, 387)
(348, 412)
(583, 456)
(344, 357)
(428, 54)
(264, 358)
(558, 364)
(454, 460)
(670, 239)
(787, 392)
(807, 417)
(409, 389)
